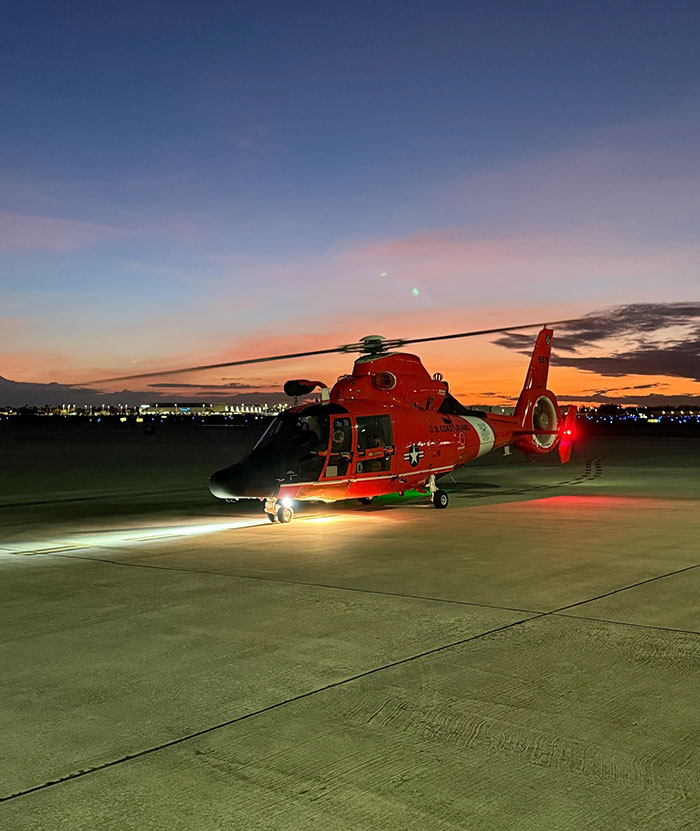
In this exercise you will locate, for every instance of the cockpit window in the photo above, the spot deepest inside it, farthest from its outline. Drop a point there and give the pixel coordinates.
(296, 430)
(293, 447)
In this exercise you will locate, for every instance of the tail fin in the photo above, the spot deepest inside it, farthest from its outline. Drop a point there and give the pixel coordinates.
(543, 425)
(536, 378)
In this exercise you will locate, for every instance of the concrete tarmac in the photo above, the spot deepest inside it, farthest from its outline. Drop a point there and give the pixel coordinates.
(526, 659)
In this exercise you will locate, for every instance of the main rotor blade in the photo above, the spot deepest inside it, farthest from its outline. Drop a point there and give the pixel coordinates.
(213, 366)
(349, 347)
(488, 331)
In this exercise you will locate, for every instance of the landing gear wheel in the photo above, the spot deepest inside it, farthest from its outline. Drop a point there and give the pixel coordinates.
(366, 500)
(285, 514)
(440, 499)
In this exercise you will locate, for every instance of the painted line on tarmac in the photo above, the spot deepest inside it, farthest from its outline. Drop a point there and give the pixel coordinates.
(54, 549)
(148, 538)
(107, 539)
(100, 497)
(58, 549)
(213, 728)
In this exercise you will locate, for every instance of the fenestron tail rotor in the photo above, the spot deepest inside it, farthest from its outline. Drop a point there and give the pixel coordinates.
(371, 346)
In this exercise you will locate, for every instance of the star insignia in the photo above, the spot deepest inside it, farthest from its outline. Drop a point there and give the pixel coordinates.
(413, 455)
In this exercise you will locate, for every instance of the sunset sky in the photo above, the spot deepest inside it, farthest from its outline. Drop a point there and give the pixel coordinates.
(186, 183)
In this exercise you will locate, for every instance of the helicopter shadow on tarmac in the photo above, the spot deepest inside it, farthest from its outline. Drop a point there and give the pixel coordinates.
(593, 469)
(459, 487)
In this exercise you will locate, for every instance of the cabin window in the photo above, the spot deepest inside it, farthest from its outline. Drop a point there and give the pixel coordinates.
(374, 431)
(374, 444)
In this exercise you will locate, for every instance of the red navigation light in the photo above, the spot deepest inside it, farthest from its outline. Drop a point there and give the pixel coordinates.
(568, 428)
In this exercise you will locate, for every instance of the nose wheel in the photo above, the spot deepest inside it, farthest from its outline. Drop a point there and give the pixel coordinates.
(278, 513)
(285, 514)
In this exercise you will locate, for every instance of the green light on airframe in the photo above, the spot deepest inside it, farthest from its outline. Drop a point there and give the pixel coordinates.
(391, 497)
(415, 292)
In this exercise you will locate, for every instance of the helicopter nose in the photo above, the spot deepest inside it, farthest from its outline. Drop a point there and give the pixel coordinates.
(228, 483)
(239, 481)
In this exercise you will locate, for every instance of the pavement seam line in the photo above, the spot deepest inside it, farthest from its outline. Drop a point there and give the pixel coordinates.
(205, 731)
(624, 589)
(628, 623)
(301, 583)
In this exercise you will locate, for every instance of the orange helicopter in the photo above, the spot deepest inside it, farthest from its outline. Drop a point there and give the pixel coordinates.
(387, 428)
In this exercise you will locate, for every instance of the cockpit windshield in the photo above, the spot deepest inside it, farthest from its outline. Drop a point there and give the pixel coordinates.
(296, 430)
(296, 441)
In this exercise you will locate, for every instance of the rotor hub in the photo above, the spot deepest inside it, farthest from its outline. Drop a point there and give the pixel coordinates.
(372, 345)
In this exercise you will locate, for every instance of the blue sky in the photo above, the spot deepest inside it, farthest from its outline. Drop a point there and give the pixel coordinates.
(192, 181)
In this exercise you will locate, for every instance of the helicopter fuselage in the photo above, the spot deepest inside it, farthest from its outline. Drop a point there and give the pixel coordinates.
(413, 445)
(389, 427)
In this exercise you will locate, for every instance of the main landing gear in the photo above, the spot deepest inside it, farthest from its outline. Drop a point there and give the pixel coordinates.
(278, 512)
(439, 498)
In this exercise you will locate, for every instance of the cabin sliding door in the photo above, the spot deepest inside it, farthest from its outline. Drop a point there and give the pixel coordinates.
(340, 456)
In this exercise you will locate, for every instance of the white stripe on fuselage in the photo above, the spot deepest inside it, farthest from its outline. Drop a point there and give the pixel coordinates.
(353, 479)
(484, 431)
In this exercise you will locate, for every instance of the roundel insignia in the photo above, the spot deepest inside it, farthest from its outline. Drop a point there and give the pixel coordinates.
(547, 339)
(413, 455)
